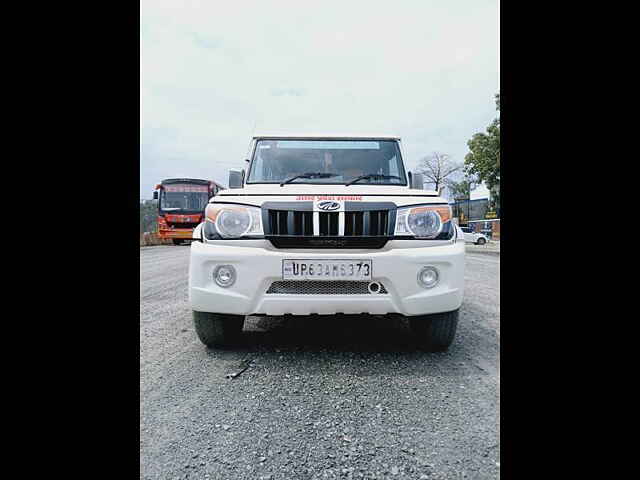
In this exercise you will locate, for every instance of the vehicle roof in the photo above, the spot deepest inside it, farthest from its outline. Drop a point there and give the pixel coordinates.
(199, 181)
(312, 136)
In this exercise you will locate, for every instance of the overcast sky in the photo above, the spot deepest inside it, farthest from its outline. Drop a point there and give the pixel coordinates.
(211, 71)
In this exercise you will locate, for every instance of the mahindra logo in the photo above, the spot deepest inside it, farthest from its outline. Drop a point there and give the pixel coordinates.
(328, 206)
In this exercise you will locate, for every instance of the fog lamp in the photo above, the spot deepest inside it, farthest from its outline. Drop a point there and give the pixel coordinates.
(224, 275)
(428, 277)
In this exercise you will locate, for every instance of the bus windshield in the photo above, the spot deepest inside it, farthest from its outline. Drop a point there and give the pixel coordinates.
(180, 198)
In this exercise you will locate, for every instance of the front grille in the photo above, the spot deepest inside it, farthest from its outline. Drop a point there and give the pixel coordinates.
(183, 224)
(328, 224)
(372, 222)
(365, 225)
(288, 222)
(323, 287)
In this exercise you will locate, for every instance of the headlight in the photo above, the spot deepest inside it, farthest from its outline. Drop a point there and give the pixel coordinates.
(232, 221)
(423, 221)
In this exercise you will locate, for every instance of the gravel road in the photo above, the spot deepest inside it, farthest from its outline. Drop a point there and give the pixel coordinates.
(336, 398)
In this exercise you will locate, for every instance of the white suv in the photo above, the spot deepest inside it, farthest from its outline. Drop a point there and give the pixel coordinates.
(474, 237)
(326, 225)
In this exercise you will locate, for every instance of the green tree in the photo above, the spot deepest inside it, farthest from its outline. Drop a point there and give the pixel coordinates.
(148, 216)
(483, 158)
(460, 193)
(462, 189)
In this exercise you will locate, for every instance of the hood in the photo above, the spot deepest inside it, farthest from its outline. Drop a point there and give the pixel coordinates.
(258, 193)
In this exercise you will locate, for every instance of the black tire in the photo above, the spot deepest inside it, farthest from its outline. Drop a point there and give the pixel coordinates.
(177, 241)
(217, 330)
(435, 332)
(481, 241)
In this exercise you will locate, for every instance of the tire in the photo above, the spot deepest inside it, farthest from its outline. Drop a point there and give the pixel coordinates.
(481, 241)
(177, 241)
(435, 332)
(217, 330)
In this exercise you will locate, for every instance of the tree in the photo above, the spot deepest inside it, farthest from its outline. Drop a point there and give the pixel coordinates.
(483, 158)
(460, 193)
(437, 168)
(462, 189)
(148, 216)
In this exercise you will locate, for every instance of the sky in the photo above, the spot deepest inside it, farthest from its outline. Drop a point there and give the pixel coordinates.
(213, 73)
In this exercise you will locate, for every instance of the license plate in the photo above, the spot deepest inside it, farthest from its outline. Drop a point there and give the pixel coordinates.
(326, 269)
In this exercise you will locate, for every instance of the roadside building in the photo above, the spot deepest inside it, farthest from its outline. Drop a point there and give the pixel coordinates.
(475, 212)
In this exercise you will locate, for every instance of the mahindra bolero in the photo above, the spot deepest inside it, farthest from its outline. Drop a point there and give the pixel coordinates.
(327, 225)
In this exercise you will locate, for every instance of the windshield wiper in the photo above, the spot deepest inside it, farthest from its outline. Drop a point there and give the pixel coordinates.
(373, 176)
(309, 175)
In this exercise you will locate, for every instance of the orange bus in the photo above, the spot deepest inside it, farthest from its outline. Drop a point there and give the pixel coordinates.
(181, 204)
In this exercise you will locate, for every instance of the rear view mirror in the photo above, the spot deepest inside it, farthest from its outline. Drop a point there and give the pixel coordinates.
(235, 178)
(417, 181)
(155, 195)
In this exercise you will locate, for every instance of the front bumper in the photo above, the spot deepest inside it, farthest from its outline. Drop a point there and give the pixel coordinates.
(176, 233)
(258, 264)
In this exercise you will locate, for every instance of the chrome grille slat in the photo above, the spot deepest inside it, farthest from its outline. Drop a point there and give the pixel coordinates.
(366, 223)
(322, 287)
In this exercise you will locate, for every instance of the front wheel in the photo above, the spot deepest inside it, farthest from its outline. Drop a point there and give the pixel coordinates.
(481, 241)
(217, 330)
(177, 241)
(435, 332)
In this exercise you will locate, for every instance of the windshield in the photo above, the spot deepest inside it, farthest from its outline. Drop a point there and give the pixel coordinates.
(275, 161)
(184, 198)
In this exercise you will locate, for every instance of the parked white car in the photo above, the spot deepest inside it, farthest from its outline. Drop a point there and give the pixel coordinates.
(327, 225)
(474, 237)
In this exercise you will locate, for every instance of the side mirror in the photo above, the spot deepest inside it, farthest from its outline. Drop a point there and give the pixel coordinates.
(155, 195)
(235, 178)
(417, 181)
(196, 236)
